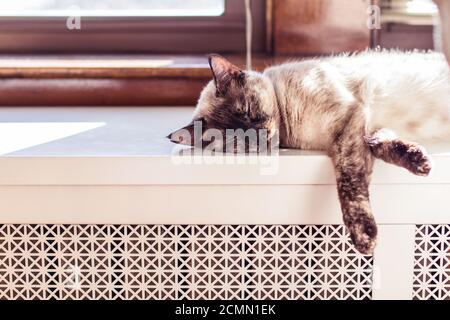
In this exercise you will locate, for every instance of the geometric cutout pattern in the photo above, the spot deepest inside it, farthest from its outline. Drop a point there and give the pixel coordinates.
(183, 262)
(432, 263)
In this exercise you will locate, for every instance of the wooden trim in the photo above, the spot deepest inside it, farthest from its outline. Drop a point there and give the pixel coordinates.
(122, 36)
(414, 20)
(316, 27)
(106, 80)
(64, 73)
(78, 70)
(100, 92)
(270, 4)
(405, 36)
(444, 13)
(225, 33)
(115, 66)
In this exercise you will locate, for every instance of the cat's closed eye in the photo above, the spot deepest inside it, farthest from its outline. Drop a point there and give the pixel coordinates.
(259, 117)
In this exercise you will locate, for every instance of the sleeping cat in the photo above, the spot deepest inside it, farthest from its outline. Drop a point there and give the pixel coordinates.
(356, 108)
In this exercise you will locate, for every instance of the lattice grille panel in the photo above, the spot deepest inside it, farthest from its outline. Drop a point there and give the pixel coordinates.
(432, 262)
(175, 262)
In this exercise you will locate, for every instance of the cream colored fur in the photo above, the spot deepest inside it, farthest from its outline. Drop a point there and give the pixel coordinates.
(408, 93)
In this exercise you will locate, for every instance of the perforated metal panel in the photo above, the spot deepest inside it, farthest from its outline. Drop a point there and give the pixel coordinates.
(432, 262)
(174, 262)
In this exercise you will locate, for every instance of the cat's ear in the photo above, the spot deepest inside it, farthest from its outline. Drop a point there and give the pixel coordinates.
(224, 72)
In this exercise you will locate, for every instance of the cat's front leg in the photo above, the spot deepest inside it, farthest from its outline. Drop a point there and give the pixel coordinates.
(385, 145)
(353, 163)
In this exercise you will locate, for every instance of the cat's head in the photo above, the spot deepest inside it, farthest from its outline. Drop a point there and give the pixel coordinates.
(235, 99)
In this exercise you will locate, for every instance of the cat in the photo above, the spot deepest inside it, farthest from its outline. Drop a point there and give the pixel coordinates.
(354, 107)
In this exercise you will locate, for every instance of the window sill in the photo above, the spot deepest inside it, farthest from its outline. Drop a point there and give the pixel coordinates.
(102, 66)
(121, 80)
(115, 66)
(409, 19)
(115, 162)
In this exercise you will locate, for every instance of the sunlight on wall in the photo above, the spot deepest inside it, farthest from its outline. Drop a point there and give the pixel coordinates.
(421, 7)
(21, 135)
(82, 62)
(94, 8)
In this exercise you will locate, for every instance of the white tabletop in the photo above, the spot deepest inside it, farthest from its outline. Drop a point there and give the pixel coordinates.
(127, 145)
(113, 165)
(89, 131)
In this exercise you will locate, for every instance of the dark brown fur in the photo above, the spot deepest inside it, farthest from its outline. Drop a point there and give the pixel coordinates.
(409, 155)
(353, 164)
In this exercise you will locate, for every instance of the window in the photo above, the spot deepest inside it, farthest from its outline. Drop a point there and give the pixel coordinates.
(114, 26)
(105, 8)
(407, 24)
(413, 12)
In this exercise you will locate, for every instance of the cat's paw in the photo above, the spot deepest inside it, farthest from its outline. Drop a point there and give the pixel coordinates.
(385, 145)
(363, 233)
(418, 160)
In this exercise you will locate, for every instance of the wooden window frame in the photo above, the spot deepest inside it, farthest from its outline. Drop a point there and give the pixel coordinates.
(407, 32)
(225, 33)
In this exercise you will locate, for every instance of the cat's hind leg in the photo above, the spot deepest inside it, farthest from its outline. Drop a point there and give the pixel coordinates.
(353, 164)
(385, 145)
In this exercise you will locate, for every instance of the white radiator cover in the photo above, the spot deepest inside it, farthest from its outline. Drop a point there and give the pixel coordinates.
(106, 214)
(180, 262)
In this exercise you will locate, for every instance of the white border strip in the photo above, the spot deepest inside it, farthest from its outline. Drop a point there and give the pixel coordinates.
(394, 263)
(161, 170)
(245, 204)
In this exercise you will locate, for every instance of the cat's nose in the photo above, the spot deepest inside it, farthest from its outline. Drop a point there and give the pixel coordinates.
(181, 136)
(184, 135)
